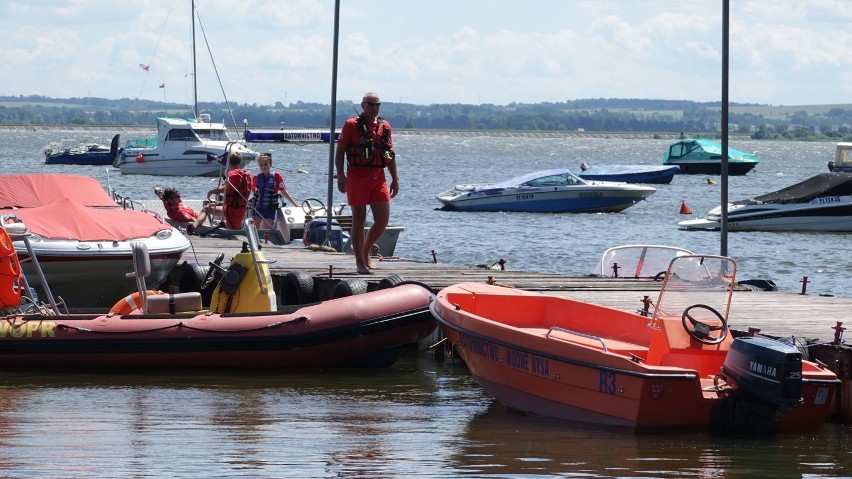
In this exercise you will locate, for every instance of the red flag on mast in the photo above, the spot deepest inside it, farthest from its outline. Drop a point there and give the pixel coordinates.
(144, 67)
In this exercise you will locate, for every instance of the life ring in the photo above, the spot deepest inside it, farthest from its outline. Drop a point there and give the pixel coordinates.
(11, 280)
(131, 302)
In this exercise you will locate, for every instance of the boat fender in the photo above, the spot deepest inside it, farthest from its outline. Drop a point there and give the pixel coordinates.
(131, 302)
(11, 280)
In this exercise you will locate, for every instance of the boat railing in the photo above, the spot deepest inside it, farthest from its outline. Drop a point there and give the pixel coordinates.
(577, 333)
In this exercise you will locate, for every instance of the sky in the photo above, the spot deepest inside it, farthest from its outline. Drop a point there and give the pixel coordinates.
(782, 52)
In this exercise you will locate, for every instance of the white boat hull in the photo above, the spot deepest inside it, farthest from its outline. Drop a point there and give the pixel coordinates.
(90, 274)
(192, 160)
(593, 198)
(828, 214)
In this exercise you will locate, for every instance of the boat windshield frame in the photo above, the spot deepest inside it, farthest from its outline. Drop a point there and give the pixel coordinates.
(696, 280)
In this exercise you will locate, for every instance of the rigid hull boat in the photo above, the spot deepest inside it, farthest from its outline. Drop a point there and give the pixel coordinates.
(243, 327)
(703, 156)
(83, 154)
(656, 174)
(820, 203)
(678, 368)
(842, 158)
(547, 191)
(83, 237)
(181, 148)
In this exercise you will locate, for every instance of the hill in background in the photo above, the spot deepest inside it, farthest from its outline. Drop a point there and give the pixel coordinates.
(590, 115)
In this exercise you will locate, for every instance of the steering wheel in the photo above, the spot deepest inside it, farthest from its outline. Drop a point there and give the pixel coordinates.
(313, 207)
(215, 266)
(700, 331)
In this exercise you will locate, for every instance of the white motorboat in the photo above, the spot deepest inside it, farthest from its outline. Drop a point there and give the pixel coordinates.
(820, 203)
(196, 147)
(82, 238)
(546, 191)
(181, 148)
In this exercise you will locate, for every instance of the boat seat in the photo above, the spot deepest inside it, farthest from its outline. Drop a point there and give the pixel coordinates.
(174, 303)
(614, 346)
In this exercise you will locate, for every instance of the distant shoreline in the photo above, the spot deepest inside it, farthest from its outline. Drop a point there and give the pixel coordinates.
(113, 129)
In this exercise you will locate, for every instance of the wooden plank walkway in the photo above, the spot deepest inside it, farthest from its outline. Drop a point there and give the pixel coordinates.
(775, 313)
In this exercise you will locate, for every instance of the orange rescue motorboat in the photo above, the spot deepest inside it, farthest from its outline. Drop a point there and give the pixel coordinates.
(680, 367)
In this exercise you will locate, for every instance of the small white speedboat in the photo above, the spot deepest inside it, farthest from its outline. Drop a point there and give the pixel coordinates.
(547, 191)
(820, 203)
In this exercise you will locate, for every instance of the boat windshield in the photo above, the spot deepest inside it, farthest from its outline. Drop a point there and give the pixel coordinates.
(555, 180)
(181, 134)
(212, 134)
(701, 284)
(637, 261)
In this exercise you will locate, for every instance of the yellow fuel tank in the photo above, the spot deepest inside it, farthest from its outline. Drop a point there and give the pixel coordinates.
(240, 291)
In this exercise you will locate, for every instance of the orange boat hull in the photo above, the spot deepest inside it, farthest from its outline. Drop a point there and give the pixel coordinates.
(524, 349)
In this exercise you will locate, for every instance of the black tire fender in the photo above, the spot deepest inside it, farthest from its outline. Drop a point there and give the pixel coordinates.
(390, 281)
(349, 287)
(298, 288)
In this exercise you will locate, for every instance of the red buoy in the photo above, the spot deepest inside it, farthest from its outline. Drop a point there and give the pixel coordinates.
(685, 209)
(140, 159)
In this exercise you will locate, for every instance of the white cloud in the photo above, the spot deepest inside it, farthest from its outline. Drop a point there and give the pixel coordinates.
(782, 52)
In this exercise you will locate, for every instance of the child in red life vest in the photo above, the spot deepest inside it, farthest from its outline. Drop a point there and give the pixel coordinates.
(175, 209)
(268, 187)
(237, 188)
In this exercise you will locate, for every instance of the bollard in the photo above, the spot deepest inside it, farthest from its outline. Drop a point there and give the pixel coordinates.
(434, 256)
(330, 271)
(646, 302)
(491, 280)
(804, 282)
(615, 270)
(838, 333)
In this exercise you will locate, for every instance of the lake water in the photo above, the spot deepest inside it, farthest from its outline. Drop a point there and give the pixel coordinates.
(420, 418)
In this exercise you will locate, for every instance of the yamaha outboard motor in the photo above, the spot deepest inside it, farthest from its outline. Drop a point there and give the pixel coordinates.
(766, 376)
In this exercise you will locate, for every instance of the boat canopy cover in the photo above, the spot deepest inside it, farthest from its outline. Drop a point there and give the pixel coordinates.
(67, 219)
(29, 191)
(72, 207)
(687, 146)
(824, 184)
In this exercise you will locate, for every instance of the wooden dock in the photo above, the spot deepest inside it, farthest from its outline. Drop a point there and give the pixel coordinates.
(775, 313)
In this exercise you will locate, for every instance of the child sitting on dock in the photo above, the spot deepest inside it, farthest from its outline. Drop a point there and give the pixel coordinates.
(175, 210)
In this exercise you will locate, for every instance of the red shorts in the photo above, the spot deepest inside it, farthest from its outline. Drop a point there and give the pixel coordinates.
(366, 185)
(234, 217)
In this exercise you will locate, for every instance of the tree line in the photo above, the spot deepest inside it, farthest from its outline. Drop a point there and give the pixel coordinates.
(591, 115)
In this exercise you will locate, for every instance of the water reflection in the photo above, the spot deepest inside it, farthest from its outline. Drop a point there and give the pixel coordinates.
(506, 443)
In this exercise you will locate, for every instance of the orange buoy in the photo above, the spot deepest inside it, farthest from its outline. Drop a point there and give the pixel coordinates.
(131, 302)
(140, 159)
(685, 209)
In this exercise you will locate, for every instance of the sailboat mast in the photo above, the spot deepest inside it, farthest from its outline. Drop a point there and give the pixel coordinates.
(194, 70)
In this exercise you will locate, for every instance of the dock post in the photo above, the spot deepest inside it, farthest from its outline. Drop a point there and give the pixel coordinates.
(804, 282)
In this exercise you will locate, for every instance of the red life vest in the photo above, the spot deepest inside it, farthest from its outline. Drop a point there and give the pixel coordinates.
(368, 152)
(237, 188)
